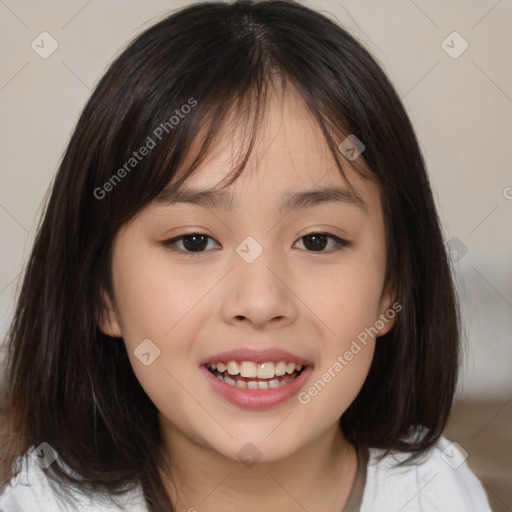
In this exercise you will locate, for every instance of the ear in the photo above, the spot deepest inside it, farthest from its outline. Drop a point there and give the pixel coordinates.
(388, 309)
(109, 322)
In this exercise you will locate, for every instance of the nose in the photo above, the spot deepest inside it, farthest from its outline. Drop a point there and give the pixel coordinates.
(259, 294)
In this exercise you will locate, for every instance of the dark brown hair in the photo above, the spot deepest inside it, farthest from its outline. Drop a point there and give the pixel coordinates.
(219, 59)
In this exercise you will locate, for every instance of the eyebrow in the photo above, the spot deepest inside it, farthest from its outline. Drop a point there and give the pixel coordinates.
(217, 199)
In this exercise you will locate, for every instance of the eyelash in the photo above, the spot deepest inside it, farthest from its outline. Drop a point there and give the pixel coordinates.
(171, 244)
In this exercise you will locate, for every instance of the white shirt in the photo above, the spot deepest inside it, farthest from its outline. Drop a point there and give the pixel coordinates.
(441, 482)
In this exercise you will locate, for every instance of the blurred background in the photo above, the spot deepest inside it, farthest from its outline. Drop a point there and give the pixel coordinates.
(451, 64)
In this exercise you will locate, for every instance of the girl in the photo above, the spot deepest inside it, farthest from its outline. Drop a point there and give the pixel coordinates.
(239, 296)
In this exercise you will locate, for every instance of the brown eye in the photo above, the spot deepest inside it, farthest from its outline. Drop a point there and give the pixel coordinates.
(194, 242)
(198, 243)
(317, 242)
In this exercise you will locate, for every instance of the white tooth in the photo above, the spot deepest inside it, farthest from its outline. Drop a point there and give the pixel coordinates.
(221, 367)
(233, 368)
(273, 383)
(280, 368)
(290, 367)
(213, 366)
(248, 369)
(262, 384)
(298, 367)
(230, 381)
(265, 371)
(219, 377)
(252, 384)
(241, 384)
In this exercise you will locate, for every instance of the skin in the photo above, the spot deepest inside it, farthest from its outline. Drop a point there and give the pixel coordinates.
(311, 303)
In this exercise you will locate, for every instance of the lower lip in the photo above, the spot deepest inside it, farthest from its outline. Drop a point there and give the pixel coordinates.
(256, 398)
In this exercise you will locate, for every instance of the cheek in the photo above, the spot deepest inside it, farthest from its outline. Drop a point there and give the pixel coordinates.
(347, 303)
(336, 381)
(341, 374)
(346, 298)
(159, 303)
(154, 298)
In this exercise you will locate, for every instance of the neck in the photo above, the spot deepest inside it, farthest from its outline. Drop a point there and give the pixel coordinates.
(319, 476)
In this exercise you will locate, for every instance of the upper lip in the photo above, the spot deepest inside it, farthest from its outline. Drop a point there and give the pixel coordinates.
(256, 356)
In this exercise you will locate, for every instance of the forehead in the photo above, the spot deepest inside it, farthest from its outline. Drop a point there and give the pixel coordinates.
(290, 164)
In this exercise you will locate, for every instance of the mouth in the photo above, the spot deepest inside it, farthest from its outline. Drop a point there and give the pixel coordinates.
(251, 375)
(252, 378)
(256, 385)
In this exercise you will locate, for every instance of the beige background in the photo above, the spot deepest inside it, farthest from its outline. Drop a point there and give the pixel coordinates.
(461, 108)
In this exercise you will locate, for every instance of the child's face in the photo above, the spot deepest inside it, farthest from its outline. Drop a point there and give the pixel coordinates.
(299, 295)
